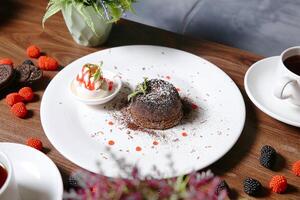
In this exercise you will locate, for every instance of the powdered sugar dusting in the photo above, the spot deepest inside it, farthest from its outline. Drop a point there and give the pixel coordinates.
(160, 93)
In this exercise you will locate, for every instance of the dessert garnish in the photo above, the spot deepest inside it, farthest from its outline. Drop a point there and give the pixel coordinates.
(6, 61)
(26, 93)
(252, 187)
(16, 101)
(90, 82)
(35, 143)
(267, 156)
(90, 77)
(13, 98)
(33, 51)
(296, 168)
(278, 184)
(19, 110)
(47, 63)
(140, 89)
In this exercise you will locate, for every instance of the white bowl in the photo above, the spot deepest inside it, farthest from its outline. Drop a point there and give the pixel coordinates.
(99, 100)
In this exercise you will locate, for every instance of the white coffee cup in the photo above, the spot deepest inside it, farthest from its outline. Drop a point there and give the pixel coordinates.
(9, 190)
(287, 82)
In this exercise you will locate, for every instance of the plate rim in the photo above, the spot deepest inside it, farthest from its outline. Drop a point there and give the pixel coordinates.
(257, 103)
(239, 95)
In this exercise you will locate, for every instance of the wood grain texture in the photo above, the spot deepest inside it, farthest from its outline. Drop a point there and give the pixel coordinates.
(20, 26)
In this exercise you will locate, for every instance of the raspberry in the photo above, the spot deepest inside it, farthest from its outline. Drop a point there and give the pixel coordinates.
(19, 110)
(252, 187)
(6, 61)
(26, 93)
(35, 143)
(278, 184)
(47, 63)
(33, 51)
(13, 98)
(222, 186)
(267, 156)
(296, 168)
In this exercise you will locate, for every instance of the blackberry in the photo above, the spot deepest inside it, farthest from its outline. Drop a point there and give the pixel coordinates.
(267, 156)
(28, 62)
(267, 149)
(222, 186)
(252, 186)
(267, 160)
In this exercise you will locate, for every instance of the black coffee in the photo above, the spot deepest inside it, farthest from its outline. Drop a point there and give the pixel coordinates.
(293, 64)
(3, 175)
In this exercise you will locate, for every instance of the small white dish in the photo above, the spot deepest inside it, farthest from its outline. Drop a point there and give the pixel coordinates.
(36, 175)
(259, 84)
(99, 100)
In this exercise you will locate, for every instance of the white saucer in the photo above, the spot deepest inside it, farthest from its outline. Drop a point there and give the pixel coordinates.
(259, 82)
(36, 175)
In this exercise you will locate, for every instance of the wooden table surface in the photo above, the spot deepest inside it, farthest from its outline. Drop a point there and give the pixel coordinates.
(20, 26)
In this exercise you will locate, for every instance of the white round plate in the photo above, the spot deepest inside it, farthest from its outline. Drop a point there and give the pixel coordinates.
(259, 83)
(36, 175)
(82, 133)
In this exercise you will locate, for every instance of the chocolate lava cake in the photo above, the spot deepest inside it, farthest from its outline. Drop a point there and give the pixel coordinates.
(160, 107)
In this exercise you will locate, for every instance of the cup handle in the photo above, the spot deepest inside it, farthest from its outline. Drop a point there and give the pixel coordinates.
(281, 85)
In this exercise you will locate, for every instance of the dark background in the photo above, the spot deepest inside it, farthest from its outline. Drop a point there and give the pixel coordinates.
(265, 27)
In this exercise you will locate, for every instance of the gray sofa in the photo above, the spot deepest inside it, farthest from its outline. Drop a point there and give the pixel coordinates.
(265, 27)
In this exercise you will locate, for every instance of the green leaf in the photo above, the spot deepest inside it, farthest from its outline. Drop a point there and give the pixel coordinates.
(98, 74)
(108, 10)
(53, 8)
(140, 89)
(86, 16)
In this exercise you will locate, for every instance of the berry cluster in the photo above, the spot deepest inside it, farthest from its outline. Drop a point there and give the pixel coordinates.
(278, 183)
(16, 101)
(44, 62)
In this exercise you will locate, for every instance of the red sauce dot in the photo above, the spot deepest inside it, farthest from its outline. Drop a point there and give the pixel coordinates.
(194, 106)
(138, 148)
(184, 134)
(110, 123)
(168, 77)
(155, 143)
(111, 142)
(110, 85)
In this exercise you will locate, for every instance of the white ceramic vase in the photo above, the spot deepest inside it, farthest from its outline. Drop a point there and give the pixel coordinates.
(80, 30)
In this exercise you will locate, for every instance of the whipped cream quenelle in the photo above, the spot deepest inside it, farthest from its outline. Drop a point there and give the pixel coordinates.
(90, 83)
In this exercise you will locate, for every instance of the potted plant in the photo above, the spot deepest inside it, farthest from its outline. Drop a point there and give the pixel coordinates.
(89, 21)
